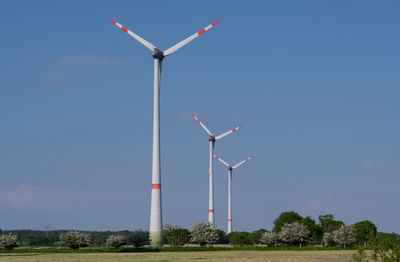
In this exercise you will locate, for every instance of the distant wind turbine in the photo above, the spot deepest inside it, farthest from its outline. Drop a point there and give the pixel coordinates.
(212, 139)
(230, 168)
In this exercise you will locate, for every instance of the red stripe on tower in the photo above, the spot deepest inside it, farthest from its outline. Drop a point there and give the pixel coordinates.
(201, 31)
(211, 210)
(216, 22)
(230, 220)
(155, 186)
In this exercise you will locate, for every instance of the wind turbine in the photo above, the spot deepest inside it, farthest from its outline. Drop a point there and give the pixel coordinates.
(156, 212)
(230, 168)
(212, 139)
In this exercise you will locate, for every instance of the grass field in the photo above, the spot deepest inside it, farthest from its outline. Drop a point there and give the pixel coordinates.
(273, 256)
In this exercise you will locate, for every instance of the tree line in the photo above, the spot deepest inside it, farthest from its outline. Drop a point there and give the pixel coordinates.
(290, 229)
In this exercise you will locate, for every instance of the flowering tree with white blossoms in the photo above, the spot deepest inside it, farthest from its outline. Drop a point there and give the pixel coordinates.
(327, 239)
(345, 235)
(74, 239)
(269, 238)
(204, 234)
(115, 241)
(8, 241)
(294, 233)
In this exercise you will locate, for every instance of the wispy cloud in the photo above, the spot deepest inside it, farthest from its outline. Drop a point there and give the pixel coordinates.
(88, 60)
(35, 198)
(376, 163)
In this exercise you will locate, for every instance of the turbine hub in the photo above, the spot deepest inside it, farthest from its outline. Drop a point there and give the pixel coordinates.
(157, 54)
(212, 139)
(230, 168)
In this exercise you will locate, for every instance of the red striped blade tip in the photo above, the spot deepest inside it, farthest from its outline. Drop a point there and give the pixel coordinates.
(112, 21)
(216, 22)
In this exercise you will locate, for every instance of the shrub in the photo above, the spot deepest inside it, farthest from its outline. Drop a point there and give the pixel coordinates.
(327, 239)
(269, 239)
(138, 238)
(345, 235)
(176, 236)
(115, 241)
(240, 239)
(74, 239)
(8, 241)
(294, 234)
(222, 237)
(256, 235)
(204, 234)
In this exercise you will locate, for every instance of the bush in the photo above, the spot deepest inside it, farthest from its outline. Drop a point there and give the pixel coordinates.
(240, 239)
(256, 235)
(176, 236)
(138, 238)
(74, 239)
(222, 237)
(345, 235)
(294, 234)
(8, 241)
(327, 239)
(115, 241)
(270, 239)
(204, 234)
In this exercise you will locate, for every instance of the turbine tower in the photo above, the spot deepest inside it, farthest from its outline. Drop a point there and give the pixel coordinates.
(230, 168)
(212, 139)
(156, 212)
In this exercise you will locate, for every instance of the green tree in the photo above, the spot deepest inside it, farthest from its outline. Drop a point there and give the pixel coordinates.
(286, 218)
(257, 235)
(328, 224)
(138, 238)
(365, 231)
(178, 237)
(223, 238)
(315, 230)
(240, 239)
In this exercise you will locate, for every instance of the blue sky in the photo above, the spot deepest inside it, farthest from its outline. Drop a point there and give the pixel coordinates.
(315, 84)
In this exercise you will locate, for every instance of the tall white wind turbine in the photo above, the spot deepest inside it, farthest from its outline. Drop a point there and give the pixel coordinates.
(156, 212)
(230, 168)
(212, 139)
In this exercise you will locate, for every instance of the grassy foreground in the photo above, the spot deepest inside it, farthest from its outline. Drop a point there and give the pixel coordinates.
(235, 255)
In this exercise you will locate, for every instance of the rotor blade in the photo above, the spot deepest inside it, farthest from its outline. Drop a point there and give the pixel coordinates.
(250, 157)
(187, 40)
(202, 125)
(138, 38)
(222, 161)
(227, 133)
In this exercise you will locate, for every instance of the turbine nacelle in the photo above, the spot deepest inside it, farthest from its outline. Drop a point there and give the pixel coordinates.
(211, 138)
(157, 54)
